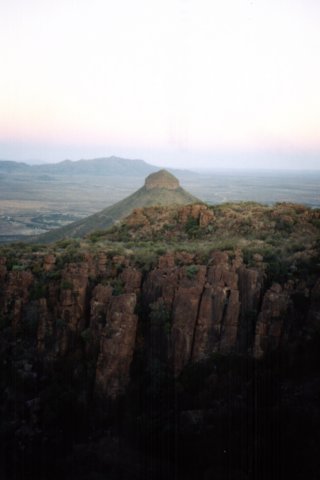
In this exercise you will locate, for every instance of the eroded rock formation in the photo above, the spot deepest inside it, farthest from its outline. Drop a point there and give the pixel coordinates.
(161, 179)
(186, 311)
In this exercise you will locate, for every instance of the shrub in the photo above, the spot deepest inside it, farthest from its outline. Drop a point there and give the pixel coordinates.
(146, 259)
(161, 250)
(284, 225)
(278, 269)
(247, 256)
(315, 222)
(97, 235)
(192, 271)
(118, 286)
(168, 227)
(67, 242)
(192, 228)
(123, 234)
(17, 268)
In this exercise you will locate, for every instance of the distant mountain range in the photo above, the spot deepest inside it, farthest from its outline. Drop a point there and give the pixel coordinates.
(109, 166)
(160, 188)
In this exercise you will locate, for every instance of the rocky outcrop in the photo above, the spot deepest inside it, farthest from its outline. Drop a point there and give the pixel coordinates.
(161, 179)
(185, 314)
(114, 321)
(174, 330)
(73, 291)
(218, 320)
(137, 217)
(270, 322)
(16, 292)
(117, 346)
(201, 213)
(101, 296)
(48, 263)
(105, 310)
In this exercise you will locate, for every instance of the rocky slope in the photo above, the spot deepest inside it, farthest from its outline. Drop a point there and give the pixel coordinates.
(163, 339)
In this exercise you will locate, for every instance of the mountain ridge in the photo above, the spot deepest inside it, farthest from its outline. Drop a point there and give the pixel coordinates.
(108, 166)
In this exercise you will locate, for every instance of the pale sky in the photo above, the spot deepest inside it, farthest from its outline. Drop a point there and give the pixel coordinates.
(187, 83)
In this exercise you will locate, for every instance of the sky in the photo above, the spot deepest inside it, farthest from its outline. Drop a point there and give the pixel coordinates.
(181, 83)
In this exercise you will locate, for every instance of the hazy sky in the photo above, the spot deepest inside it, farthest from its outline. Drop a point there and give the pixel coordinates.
(176, 82)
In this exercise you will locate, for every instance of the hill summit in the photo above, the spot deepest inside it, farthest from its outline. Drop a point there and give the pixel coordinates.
(160, 189)
(161, 179)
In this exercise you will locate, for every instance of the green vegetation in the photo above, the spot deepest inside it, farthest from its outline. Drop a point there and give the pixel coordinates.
(95, 236)
(192, 271)
(118, 286)
(284, 237)
(145, 258)
(17, 268)
(192, 227)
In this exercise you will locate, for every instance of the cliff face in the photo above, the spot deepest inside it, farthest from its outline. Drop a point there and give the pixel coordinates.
(106, 311)
(181, 344)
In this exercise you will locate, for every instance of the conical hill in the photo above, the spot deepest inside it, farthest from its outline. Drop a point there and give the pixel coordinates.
(160, 188)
